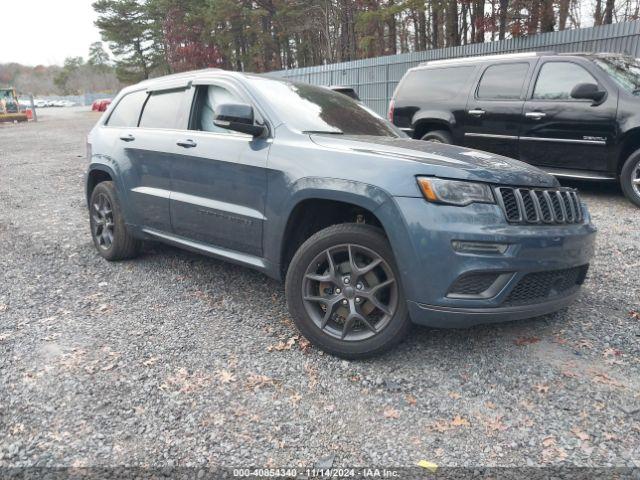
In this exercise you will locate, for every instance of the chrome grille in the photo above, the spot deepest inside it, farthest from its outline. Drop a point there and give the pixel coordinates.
(540, 205)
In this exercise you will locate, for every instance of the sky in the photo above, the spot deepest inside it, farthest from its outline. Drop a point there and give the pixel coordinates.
(46, 31)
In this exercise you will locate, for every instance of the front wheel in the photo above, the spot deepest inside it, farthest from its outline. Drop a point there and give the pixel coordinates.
(630, 178)
(344, 292)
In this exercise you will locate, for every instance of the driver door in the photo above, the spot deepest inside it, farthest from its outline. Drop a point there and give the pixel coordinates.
(559, 131)
(219, 177)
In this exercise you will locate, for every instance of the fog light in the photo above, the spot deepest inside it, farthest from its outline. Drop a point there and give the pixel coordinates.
(479, 247)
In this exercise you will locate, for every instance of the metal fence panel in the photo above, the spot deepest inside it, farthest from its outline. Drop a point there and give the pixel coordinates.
(375, 78)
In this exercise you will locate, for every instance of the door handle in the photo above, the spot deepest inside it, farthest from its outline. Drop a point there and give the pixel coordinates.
(186, 143)
(535, 115)
(477, 112)
(127, 138)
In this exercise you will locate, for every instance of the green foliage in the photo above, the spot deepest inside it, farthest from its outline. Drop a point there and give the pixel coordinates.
(97, 55)
(132, 29)
(153, 37)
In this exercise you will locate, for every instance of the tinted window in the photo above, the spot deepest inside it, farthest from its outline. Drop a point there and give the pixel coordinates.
(314, 109)
(557, 79)
(162, 110)
(434, 84)
(503, 82)
(207, 100)
(624, 70)
(127, 111)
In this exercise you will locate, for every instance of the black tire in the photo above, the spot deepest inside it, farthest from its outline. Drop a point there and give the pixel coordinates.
(437, 136)
(393, 325)
(629, 174)
(122, 245)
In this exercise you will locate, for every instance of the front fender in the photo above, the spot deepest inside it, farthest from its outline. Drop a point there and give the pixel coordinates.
(284, 199)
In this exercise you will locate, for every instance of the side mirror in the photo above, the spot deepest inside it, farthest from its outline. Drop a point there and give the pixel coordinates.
(237, 117)
(588, 91)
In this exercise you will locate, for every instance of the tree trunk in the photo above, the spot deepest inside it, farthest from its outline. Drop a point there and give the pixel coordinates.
(478, 21)
(534, 16)
(453, 37)
(563, 14)
(548, 20)
(465, 25)
(608, 12)
(597, 14)
(391, 30)
(436, 25)
(504, 7)
(422, 29)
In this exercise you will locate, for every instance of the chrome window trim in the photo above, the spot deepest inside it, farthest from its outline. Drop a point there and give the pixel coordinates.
(491, 135)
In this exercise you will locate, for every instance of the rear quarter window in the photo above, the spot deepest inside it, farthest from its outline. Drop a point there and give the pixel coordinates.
(434, 83)
(127, 112)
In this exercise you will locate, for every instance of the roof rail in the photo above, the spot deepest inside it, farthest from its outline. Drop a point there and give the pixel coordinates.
(482, 58)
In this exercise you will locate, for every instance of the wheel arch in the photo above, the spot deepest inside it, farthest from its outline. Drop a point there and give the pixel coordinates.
(317, 203)
(428, 121)
(630, 142)
(96, 174)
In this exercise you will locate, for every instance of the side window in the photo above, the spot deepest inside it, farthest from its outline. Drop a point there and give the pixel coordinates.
(434, 83)
(502, 82)
(557, 79)
(162, 110)
(127, 112)
(207, 99)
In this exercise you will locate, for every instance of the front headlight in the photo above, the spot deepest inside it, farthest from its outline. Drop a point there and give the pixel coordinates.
(454, 192)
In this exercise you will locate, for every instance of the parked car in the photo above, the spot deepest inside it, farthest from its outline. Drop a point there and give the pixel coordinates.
(101, 105)
(574, 116)
(369, 229)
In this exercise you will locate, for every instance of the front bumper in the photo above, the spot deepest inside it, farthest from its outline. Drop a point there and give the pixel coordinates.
(451, 317)
(430, 266)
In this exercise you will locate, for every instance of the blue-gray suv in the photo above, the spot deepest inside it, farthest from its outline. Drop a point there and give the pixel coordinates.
(370, 229)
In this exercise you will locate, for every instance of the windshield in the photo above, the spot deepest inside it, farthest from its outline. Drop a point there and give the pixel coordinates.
(312, 109)
(624, 70)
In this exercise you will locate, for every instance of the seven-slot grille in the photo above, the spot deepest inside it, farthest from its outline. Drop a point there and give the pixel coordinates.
(540, 205)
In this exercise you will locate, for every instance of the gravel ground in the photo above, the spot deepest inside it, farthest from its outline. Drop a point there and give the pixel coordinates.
(176, 359)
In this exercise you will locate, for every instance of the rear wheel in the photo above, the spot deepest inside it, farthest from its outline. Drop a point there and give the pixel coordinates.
(344, 292)
(630, 178)
(108, 230)
(437, 136)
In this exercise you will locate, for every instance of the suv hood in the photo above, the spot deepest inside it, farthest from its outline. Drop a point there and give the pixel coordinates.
(441, 160)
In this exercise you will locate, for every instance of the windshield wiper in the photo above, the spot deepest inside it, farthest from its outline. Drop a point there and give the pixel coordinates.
(332, 132)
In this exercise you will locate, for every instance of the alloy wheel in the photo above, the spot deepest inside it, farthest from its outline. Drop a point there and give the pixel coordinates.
(350, 292)
(635, 179)
(102, 219)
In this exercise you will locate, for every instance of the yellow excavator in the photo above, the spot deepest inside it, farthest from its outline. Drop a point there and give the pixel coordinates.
(9, 106)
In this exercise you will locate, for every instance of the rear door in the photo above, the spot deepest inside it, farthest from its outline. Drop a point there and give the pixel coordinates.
(145, 175)
(219, 177)
(563, 132)
(163, 120)
(494, 108)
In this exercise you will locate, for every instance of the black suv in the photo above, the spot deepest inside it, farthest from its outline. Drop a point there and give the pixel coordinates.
(575, 116)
